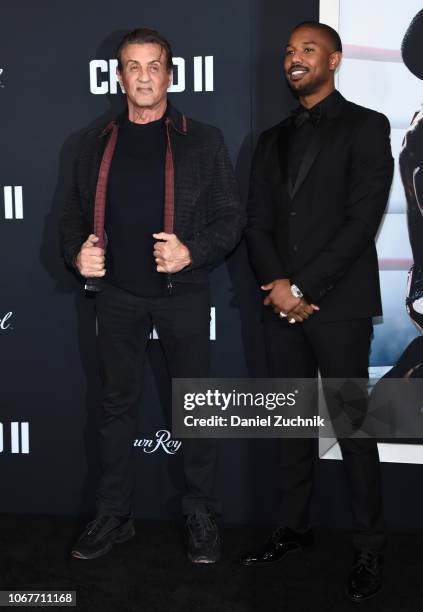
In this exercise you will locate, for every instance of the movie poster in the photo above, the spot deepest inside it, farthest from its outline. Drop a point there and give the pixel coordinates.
(382, 68)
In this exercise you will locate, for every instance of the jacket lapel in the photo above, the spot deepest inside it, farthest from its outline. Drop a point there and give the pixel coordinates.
(321, 137)
(285, 132)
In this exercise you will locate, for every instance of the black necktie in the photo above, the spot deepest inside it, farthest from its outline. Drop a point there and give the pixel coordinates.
(301, 115)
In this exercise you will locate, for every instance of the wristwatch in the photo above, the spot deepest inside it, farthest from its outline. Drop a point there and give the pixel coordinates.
(296, 291)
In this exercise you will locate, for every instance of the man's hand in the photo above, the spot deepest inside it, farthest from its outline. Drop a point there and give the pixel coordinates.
(281, 300)
(301, 312)
(170, 254)
(90, 259)
(280, 297)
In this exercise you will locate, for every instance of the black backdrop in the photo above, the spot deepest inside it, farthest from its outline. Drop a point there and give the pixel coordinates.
(47, 344)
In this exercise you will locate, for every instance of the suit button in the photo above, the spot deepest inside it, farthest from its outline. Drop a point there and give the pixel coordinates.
(292, 213)
(295, 248)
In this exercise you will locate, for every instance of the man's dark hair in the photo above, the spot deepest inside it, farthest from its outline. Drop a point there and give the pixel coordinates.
(412, 46)
(142, 36)
(330, 32)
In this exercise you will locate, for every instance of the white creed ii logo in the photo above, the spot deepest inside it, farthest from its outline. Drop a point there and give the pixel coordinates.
(13, 202)
(1, 74)
(18, 438)
(103, 79)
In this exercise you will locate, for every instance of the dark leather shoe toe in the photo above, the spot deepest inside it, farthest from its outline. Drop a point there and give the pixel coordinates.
(281, 542)
(365, 579)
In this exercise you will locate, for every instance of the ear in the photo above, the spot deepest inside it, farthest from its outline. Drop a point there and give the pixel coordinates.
(334, 60)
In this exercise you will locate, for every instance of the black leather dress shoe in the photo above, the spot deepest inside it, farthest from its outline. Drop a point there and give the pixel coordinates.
(365, 579)
(281, 542)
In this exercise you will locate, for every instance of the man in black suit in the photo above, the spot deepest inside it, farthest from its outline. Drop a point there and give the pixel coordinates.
(320, 182)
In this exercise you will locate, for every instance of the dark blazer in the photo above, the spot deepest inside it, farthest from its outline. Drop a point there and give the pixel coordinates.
(320, 232)
(208, 216)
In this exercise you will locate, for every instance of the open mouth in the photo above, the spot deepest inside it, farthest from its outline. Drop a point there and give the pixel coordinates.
(297, 73)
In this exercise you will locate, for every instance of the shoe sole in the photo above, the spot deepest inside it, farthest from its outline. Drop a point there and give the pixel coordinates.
(203, 560)
(119, 540)
(364, 599)
(307, 549)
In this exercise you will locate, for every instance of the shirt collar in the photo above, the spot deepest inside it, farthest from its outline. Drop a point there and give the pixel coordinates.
(326, 107)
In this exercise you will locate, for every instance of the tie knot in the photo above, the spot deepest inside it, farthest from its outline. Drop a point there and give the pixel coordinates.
(301, 115)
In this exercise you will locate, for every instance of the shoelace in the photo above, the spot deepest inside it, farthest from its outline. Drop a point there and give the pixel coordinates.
(368, 560)
(94, 527)
(201, 526)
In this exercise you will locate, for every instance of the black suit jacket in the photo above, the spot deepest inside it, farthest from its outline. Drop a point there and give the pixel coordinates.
(320, 232)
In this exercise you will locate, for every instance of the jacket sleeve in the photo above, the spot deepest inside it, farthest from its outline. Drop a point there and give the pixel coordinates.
(370, 182)
(264, 257)
(73, 226)
(225, 216)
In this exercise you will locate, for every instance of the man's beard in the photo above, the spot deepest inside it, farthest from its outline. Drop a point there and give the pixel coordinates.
(307, 89)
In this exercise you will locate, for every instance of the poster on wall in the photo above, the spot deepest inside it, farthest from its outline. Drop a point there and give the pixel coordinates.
(382, 68)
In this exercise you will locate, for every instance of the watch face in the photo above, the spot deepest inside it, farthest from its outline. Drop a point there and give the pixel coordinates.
(295, 291)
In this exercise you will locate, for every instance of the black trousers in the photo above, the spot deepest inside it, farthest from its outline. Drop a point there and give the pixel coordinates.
(125, 322)
(338, 349)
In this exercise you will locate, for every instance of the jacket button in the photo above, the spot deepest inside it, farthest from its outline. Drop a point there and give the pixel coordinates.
(292, 213)
(295, 248)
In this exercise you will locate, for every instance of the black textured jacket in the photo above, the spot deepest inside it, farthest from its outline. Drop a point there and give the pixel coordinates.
(206, 211)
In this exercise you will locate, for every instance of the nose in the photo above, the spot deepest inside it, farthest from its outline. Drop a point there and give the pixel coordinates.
(143, 75)
(296, 57)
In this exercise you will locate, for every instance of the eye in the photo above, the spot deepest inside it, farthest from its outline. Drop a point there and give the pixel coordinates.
(132, 68)
(154, 68)
(289, 52)
(308, 49)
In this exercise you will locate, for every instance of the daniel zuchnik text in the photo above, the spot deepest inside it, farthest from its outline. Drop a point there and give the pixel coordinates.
(224, 401)
(271, 420)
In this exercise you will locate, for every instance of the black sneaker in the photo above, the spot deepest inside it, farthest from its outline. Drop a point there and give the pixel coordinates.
(204, 542)
(100, 535)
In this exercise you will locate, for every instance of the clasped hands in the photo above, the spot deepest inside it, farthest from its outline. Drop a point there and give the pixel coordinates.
(169, 254)
(284, 303)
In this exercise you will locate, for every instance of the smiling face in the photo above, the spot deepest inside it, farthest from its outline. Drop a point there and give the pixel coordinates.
(310, 62)
(145, 76)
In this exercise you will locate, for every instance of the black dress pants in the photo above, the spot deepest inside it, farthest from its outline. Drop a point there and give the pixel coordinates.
(125, 322)
(338, 349)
